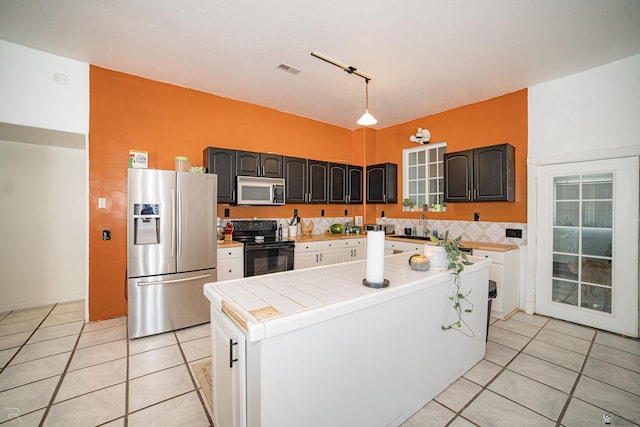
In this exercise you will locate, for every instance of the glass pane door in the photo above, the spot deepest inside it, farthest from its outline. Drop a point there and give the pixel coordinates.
(586, 243)
(582, 241)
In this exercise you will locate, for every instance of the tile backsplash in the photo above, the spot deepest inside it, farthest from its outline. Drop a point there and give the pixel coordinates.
(477, 231)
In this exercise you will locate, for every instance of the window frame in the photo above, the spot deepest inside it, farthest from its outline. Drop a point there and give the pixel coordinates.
(406, 152)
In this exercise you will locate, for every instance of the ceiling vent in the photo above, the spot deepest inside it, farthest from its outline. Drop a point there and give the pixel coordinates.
(289, 69)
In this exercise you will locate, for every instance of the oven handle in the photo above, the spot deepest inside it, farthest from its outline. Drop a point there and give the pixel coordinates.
(270, 247)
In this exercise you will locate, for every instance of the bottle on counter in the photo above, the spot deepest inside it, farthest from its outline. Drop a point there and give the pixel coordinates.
(279, 231)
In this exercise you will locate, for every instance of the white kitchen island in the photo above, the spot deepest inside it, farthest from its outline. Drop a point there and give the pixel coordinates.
(315, 347)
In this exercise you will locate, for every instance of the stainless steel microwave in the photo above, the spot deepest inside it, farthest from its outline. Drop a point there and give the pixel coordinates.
(255, 190)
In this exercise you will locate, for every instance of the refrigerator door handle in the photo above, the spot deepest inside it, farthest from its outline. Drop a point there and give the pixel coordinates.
(173, 221)
(168, 282)
(180, 230)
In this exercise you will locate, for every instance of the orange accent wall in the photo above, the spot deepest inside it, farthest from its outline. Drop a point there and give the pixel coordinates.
(129, 112)
(494, 121)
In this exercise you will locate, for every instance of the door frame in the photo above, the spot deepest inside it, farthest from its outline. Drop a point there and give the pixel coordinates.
(532, 206)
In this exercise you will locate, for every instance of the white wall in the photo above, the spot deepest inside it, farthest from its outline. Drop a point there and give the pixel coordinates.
(43, 229)
(592, 110)
(30, 96)
(591, 114)
(43, 178)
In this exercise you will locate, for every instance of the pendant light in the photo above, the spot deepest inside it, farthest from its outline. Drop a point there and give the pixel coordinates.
(367, 119)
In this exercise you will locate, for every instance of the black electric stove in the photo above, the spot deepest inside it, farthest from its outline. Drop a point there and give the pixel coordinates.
(264, 251)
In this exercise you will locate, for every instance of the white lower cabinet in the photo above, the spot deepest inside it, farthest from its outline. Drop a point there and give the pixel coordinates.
(230, 263)
(328, 252)
(353, 249)
(228, 371)
(305, 255)
(394, 247)
(313, 254)
(505, 271)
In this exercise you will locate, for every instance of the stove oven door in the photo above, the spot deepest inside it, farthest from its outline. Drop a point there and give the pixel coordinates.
(267, 258)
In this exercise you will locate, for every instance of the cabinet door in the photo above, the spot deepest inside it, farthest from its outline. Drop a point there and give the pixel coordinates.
(376, 184)
(354, 186)
(494, 173)
(247, 163)
(228, 371)
(318, 180)
(328, 257)
(223, 163)
(458, 178)
(337, 183)
(295, 176)
(272, 165)
(305, 260)
(382, 183)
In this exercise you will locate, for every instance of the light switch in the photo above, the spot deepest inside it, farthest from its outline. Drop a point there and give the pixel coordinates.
(102, 203)
(358, 220)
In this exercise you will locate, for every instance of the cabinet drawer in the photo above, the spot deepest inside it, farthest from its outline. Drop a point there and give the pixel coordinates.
(352, 243)
(230, 269)
(495, 257)
(328, 244)
(306, 247)
(229, 253)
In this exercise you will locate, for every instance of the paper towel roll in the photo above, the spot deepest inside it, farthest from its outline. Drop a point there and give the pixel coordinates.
(375, 257)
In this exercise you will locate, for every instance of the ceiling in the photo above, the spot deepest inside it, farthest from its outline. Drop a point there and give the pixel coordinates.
(425, 56)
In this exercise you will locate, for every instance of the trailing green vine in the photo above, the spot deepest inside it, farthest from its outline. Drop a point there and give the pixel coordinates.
(457, 261)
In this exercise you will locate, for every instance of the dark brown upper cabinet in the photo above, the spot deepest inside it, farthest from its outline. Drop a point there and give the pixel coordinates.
(318, 179)
(249, 163)
(295, 176)
(480, 175)
(354, 184)
(382, 183)
(305, 180)
(345, 183)
(223, 163)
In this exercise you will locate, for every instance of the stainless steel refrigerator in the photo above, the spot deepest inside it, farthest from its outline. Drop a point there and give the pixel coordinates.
(171, 249)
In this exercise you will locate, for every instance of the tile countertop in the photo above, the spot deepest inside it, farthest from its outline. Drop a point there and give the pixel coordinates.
(273, 304)
(487, 246)
(232, 244)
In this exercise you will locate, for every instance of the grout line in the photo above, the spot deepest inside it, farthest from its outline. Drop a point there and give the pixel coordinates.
(193, 380)
(62, 376)
(575, 383)
(126, 385)
(6, 365)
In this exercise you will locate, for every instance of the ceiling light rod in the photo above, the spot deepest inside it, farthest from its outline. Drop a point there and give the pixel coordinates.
(349, 69)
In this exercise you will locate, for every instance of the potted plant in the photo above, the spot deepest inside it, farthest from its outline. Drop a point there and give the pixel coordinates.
(457, 260)
(408, 204)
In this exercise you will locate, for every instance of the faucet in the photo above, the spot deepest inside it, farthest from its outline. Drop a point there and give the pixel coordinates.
(422, 222)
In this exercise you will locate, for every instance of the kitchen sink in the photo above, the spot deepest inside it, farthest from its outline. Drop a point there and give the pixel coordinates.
(403, 236)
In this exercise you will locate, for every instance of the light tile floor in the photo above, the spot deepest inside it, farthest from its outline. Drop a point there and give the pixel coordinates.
(57, 370)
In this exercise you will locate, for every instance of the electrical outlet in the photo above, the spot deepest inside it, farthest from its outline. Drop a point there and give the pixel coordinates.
(295, 212)
(106, 234)
(382, 214)
(102, 203)
(476, 216)
(226, 212)
(514, 232)
(321, 212)
(346, 212)
(359, 220)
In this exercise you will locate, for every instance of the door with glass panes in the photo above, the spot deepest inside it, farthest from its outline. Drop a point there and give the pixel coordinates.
(587, 243)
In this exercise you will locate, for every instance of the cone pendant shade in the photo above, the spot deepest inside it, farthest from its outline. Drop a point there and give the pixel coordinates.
(367, 119)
